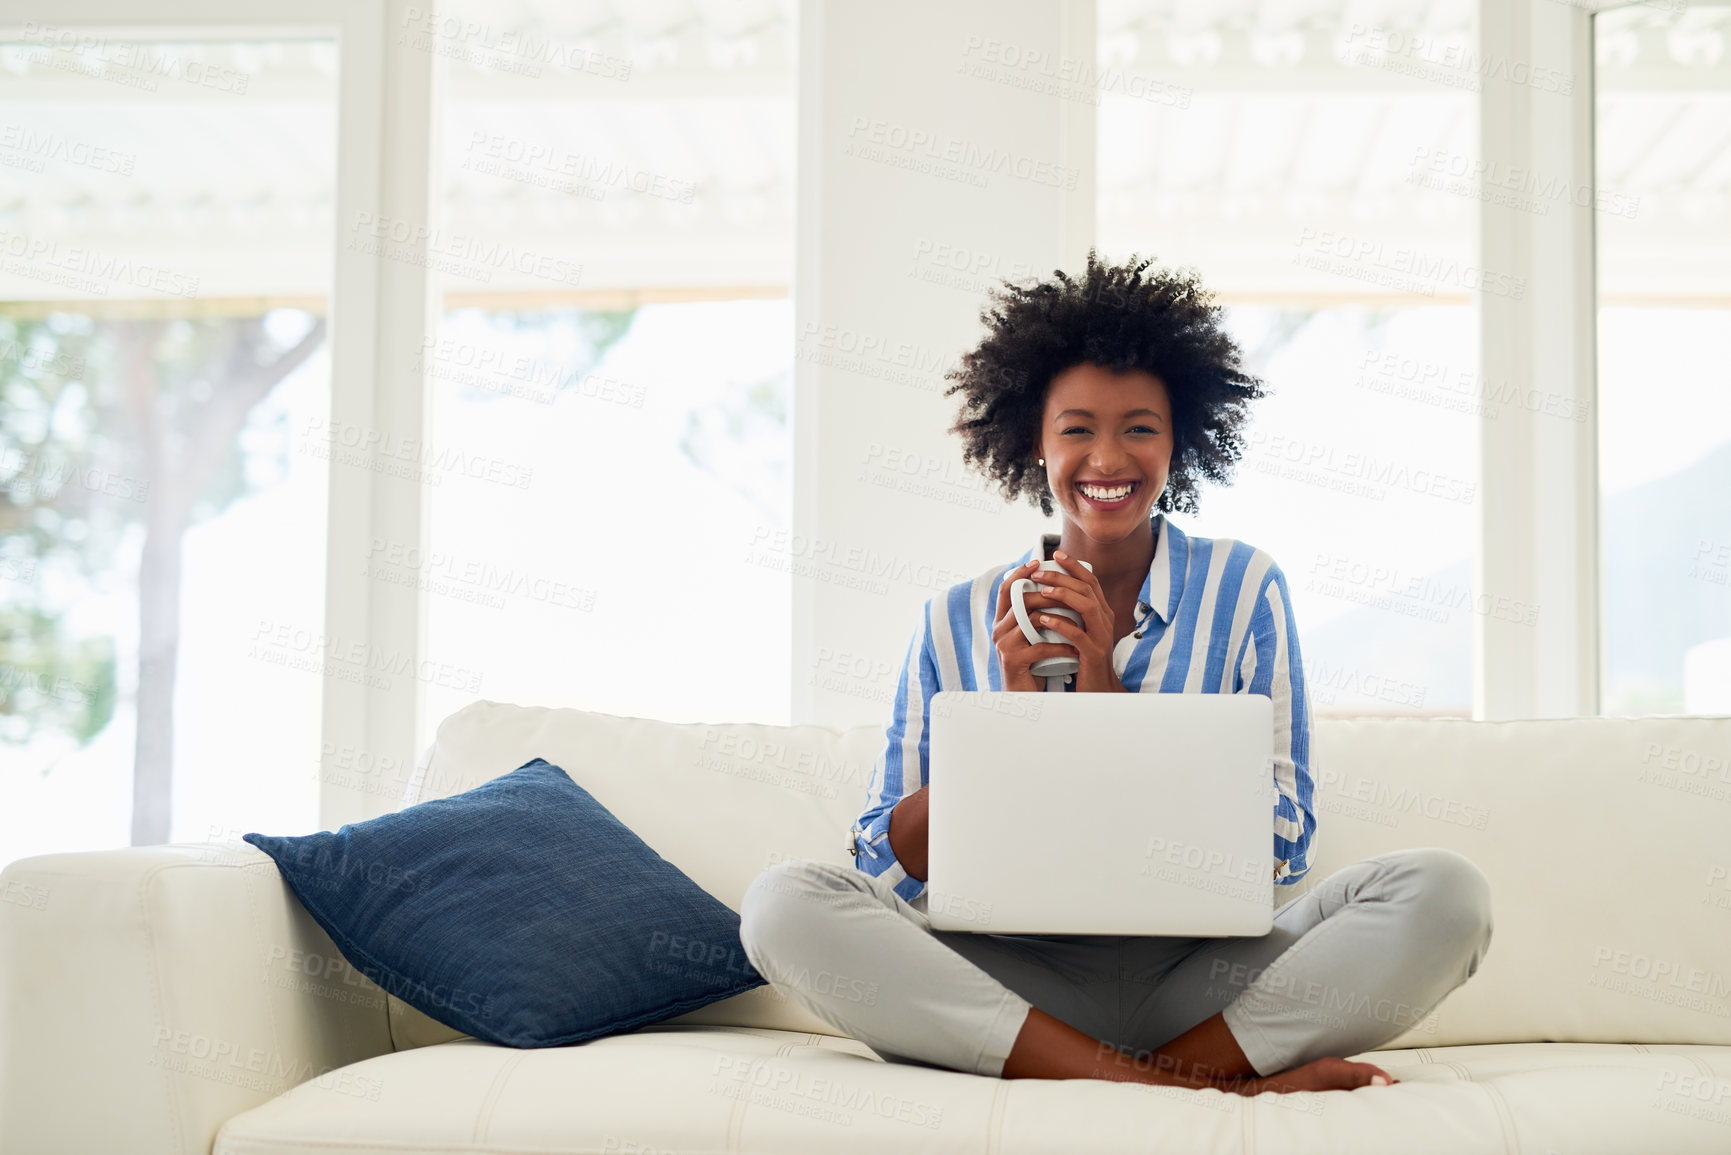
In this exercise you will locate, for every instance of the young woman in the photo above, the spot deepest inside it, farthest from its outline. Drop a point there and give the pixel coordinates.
(1109, 398)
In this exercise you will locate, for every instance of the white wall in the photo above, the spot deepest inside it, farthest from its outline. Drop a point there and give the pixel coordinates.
(905, 110)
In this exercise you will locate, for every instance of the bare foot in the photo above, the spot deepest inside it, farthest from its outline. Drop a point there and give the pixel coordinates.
(1322, 1075)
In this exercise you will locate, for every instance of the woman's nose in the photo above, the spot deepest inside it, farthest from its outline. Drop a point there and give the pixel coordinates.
(1108, 456)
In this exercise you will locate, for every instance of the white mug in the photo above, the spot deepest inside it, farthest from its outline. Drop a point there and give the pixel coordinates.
(1046, 667)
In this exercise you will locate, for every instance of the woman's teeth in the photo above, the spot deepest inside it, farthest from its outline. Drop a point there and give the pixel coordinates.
(1101, 493)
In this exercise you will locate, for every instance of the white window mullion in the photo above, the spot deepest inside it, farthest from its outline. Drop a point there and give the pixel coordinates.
(1536, 633)
(382, 310)
(1565, 360)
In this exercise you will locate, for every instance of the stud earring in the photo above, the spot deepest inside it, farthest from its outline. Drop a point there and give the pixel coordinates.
(1042, 462)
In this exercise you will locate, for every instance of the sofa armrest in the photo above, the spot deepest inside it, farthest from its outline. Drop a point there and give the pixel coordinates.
(147, 995)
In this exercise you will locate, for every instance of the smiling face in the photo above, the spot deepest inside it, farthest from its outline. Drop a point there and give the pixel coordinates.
(1107, 441)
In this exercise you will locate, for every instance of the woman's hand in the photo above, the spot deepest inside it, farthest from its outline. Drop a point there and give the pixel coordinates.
(1015, 653)
(1090, 643)
(1093, 638)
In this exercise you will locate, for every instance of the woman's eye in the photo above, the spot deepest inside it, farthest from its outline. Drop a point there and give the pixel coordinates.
(1076, 429)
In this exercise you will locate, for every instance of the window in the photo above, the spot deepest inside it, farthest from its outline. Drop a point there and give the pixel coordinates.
(606, 434)
(167, 231)
(1664, 236)
(1310, 168)
(615, 351)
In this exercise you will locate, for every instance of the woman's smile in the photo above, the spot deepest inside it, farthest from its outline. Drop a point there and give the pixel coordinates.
(1108, 497)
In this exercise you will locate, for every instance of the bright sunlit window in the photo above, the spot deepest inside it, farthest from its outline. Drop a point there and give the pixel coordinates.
(160, 514)
(1261, 163)
(1664, 122)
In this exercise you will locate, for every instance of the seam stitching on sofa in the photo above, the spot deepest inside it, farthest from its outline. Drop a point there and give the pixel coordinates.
(1618, 1067)
(484, 1117)
(1505, 1118)
(158, 1003)
(345, 1147)
(1700, 1065)
(297, 1146)
(995, 1117)
(254, 912)
(300, 1144)
(741, 1104)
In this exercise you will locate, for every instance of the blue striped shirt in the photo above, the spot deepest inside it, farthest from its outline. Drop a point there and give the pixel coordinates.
(1213, 617)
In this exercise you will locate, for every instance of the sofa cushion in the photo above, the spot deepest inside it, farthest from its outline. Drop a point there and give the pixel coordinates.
(520, 912)
(667, 1088)
(1604, 843)
(1602, 838)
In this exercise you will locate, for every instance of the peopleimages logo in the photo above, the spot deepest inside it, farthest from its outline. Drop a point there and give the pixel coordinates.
(819, 1097)
(543, 163)
(1066, 77)
(819, 554)
(1661, 980)
(1394, 800)
(1444, 60)
(43, 258)
(940, 154)
(35, 476)
(507, 50)
(39, 147)
(1464, 390)
(958, 906)
(409, 457)
(474, 580)
(298, 647)
(141, 61)
(1399, 267)
(1301, 459)
(1512, 185)
(477, 257)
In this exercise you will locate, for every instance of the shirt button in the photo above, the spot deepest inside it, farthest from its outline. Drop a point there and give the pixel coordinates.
(1137, 634)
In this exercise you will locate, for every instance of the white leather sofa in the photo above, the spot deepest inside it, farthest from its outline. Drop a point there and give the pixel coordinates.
(176, 999)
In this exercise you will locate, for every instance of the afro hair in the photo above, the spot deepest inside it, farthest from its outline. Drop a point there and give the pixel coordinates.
(1121, 318)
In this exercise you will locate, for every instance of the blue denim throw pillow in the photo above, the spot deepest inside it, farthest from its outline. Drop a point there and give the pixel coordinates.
(522, 912)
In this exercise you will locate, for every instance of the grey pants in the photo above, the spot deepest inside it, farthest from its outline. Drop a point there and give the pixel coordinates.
(1353, 963)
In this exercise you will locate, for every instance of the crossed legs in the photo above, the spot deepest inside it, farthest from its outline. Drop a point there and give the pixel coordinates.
(1348, 966)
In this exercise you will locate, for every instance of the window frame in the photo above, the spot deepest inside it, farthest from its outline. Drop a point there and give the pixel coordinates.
(1538, 528)
(380, 311)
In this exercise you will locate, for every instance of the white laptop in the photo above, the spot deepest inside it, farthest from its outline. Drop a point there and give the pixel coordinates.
(1072, 813)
